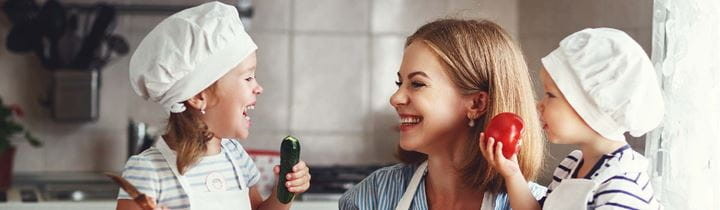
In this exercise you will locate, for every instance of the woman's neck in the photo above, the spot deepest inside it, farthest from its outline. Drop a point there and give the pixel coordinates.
(444, 182)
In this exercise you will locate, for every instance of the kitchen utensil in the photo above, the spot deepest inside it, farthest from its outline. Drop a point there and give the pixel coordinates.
(137, 131)
(24, 37)
(112, 47)
(69, 42)
(117, 44)
(20, 11)
(52, 21)
(75, 95)
(103, 24)
(140, 198)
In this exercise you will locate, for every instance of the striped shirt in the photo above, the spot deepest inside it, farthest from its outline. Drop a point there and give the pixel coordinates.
(151, 174)
(623, 182)
(384, 188)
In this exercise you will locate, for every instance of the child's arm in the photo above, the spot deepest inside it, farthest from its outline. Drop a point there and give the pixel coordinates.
(298, 182)
(515, 183)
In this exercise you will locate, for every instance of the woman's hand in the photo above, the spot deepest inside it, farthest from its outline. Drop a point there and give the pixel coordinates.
(298, 181)
(506, 167)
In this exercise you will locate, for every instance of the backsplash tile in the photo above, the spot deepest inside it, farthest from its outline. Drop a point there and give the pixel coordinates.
(273, 73)
(331, 15)
(330, 83)
(404, 16)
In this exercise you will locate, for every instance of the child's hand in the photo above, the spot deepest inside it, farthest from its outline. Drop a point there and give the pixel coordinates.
(299, 180)
(506, 167)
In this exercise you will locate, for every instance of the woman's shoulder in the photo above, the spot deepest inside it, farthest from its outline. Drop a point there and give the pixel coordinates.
(397, 172)
(381, 187)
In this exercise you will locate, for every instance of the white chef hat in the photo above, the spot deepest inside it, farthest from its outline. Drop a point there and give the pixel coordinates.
(187, 52)
(609, 81)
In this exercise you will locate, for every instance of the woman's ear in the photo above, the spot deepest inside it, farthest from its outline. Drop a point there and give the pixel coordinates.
(477, 104)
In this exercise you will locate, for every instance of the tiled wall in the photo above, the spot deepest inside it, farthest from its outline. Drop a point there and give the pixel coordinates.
(542, 24)
(327, 66)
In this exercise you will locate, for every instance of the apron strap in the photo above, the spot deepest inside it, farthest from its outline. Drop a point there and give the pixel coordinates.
(171, 159)
(407, 197)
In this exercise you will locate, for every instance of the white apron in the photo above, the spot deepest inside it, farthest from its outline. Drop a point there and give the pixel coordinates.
(220, 199)
(574, 193)
(407, 198)
(571, 194)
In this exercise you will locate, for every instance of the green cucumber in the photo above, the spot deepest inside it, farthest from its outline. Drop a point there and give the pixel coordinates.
(289, 156)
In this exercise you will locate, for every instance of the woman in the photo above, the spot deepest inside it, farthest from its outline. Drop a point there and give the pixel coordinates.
(455, 75)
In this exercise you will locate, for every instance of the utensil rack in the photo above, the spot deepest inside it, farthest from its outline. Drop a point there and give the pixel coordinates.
(147, 9)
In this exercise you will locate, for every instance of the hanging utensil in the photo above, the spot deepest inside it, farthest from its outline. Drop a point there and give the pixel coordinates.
(69, 42)
(103, 24)
(24, 36)
(52, 20)
(20, 11)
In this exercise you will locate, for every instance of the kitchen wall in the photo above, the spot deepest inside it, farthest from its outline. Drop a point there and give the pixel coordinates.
(327, 66)
(542, 24)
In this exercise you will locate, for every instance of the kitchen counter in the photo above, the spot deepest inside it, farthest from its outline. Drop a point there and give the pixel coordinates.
(104, 205)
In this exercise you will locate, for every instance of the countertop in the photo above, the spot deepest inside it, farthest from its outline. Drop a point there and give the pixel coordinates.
(92, 205)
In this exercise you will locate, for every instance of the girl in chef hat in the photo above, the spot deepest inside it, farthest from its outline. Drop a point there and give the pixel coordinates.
(599, 84)
(199, 64)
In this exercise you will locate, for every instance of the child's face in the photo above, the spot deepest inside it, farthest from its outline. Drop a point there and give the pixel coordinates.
(227, 114)
(429, 105)
(559, 120)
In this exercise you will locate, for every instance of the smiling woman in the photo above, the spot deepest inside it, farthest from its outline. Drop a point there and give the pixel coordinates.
(455, 75)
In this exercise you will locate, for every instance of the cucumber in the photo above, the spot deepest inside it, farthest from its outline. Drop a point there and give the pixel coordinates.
(289, 156)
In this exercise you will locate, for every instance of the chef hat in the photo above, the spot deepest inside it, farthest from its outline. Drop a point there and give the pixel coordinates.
(187, 52)
(609, 81)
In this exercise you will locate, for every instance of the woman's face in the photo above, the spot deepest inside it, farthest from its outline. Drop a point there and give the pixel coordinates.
(227, 111)
(559, 120)
(430, 107)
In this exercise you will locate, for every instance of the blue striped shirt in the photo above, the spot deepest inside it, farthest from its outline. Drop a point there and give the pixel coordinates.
(384, 188)
(151, 174)
(621, 175)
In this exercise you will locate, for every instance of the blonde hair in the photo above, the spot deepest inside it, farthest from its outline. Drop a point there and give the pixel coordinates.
(482, 57)
(188, 135)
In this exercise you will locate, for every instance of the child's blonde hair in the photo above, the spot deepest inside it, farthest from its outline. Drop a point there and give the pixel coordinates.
(188, 134)
(482, 57)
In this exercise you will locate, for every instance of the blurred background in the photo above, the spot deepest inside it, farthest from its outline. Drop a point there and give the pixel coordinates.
(328, 68)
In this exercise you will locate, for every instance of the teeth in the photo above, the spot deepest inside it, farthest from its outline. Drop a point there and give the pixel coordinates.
(247, 108)
(410, 120)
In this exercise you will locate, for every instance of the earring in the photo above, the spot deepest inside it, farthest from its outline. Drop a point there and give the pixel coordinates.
(471, 123)
(202, 110)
